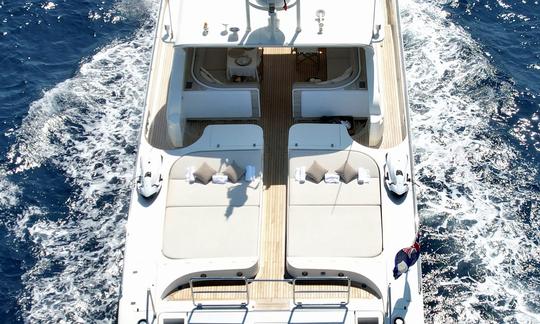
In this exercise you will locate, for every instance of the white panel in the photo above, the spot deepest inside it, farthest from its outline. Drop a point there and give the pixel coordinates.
(334, 231)
(315, 135)
(348, 22)
(211, 232)
(175, 116)
(235, 136)
(217, 104)
(335, 103)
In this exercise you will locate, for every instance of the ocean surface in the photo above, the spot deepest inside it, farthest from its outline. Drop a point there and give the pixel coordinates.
(72, 86)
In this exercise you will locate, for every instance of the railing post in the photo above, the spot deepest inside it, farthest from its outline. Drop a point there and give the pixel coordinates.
(389, 303)
(298, 13)
(247, 291)
(192, 293)
(347, 291)
(150, 302)
(248, 17)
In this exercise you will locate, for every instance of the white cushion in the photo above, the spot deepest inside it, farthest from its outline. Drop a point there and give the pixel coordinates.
(334, 231)
(217, 160)
(182, 193)
(211, 232)
(320, 194)
(331, 160)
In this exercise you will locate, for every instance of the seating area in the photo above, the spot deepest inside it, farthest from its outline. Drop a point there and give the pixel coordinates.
(351, 193)
(227, 212)
(333, 218)
(342, 65)
(227, 67)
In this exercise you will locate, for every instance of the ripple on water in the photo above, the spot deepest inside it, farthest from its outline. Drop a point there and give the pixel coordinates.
(476, 191)
(86, 127)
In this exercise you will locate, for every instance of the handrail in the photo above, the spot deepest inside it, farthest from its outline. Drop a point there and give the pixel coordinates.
(150, 300)
(389, 302)
(194, 292)
(348, 290)
(295, 290)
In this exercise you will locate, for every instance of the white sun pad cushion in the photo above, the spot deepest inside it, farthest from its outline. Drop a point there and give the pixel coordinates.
(211, 232)
(334, 231)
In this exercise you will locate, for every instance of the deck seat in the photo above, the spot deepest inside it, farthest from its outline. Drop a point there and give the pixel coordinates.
(196, 211)
(184, 194)
(213, 62)
(211, 232)
(352, 193)
(214, 229)
(334, 231)
(333, 227)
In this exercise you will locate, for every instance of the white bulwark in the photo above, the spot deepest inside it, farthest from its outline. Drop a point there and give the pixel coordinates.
(274, 178)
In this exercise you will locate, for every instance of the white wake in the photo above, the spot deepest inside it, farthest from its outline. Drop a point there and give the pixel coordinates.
(86, 127)
(477, 199)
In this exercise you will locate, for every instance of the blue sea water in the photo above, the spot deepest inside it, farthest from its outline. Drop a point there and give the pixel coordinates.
(72, 85)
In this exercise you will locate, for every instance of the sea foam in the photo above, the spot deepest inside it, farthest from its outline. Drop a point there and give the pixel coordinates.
(87, 128)
(477, 199)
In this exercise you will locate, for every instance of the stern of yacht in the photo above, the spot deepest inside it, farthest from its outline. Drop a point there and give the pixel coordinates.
(274, 248)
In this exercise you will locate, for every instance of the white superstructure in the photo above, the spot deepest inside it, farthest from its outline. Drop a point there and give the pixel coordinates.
(274, 168)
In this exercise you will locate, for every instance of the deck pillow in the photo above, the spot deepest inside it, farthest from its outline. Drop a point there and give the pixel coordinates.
(347, 173)
(204, 173)
(234, 172)
(316, 172)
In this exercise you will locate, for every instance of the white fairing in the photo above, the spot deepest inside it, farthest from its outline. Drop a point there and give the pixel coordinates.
(149, 182)
(397, 172)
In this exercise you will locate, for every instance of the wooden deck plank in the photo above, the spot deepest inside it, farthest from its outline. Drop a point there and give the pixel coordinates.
(276, 121)
(393, 107)
(155, 128)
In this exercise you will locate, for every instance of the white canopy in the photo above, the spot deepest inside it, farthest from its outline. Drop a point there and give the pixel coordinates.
(344, 22)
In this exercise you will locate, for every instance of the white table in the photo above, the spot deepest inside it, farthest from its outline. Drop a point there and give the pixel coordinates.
(249, 70)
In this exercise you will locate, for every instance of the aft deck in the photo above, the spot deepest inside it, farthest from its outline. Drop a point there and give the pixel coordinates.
(276, 120)
(279, 73)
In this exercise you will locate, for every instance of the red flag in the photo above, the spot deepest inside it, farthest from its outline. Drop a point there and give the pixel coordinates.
(285, 5)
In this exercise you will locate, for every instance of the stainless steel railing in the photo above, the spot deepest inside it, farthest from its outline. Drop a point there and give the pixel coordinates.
(300, 287)
(346, 291)
(150, 302)
(194, 292)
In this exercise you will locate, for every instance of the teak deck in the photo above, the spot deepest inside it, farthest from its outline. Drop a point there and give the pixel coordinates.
(279, 74)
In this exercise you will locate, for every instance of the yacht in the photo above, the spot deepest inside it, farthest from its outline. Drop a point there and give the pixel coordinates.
(274, 168)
